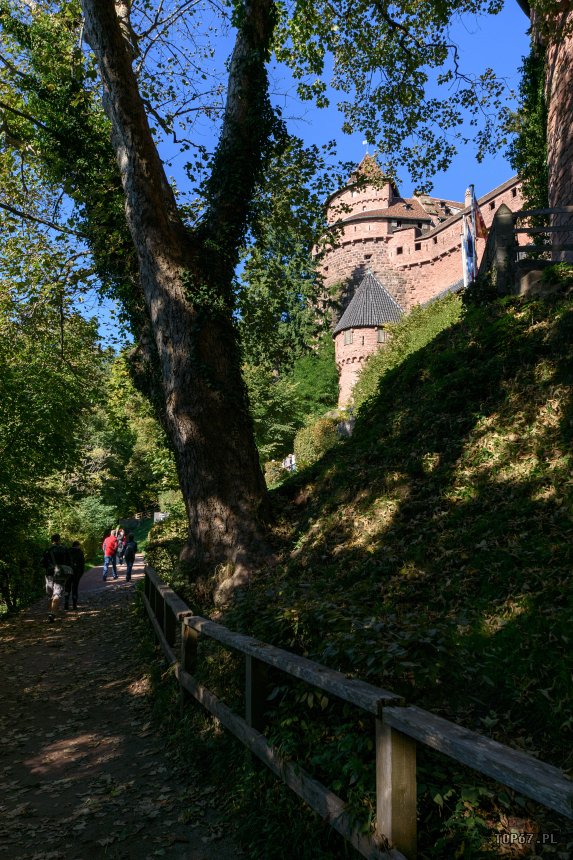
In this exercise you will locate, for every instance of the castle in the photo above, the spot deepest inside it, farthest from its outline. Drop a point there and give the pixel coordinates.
(390, 254)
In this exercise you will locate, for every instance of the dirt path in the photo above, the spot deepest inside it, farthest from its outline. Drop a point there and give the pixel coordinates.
(83, 774)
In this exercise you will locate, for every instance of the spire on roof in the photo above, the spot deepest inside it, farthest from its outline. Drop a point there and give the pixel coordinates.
(371, 306)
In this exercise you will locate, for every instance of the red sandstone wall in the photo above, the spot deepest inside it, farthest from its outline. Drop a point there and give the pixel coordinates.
(350, 359)
(415, 274)
(347, 202)
(559, 94)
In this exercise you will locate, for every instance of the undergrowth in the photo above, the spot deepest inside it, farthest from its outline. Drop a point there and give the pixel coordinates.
(431, 555)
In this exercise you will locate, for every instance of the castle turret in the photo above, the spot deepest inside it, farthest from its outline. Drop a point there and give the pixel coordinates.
(362, 330)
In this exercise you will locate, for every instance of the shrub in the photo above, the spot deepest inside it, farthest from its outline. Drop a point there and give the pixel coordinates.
(274, 472)
(314, 440)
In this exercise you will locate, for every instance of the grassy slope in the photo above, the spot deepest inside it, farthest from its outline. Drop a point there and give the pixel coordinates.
(431, 554)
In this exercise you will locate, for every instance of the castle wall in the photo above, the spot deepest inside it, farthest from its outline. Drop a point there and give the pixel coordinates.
(352, 201)
(559, 93)
(350, 359)
(413, 266)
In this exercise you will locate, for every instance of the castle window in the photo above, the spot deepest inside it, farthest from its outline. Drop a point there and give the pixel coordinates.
(348, 336)
(383, 335)
(362, 340)
(367, 256)
(435, 240)
(417, 246)
(514, 192)
(400, 250)
(492, 204)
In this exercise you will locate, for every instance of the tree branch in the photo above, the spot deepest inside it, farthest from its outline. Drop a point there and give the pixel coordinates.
(26, 116)
(29, 217)
(150, 204)
(247, 126)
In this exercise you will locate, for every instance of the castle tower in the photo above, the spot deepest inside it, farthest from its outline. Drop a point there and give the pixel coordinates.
(362, 330)
(374, 224)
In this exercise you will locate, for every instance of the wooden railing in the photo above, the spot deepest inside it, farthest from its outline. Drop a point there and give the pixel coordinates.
(398, 729)
(507, 261)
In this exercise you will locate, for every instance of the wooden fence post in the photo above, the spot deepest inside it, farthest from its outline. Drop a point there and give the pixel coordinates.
(255, 692)
(396, 789)
(169, 624)
(160, 609)
(189, 641)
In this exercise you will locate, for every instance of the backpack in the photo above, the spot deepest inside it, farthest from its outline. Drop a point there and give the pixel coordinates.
(61, 572)
(130, 550)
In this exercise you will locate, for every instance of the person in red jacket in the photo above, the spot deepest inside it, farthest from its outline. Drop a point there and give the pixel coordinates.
(109, 547)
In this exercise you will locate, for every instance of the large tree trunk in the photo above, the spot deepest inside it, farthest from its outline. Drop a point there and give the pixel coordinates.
(186, 280)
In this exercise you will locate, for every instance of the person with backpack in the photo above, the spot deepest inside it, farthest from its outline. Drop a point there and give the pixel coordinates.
(109, 547)
(58, 566)
(121, 542)
(78, 566)
(129, 555)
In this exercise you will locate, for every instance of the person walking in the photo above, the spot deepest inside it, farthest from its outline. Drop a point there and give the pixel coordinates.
(121, 542)
(129, 555)
(58, 566)
(78, 566)
(109, 550)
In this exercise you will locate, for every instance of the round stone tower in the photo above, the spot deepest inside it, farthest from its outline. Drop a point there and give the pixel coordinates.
(362, 330)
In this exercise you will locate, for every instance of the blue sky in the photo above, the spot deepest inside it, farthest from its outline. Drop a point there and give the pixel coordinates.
(499, 42)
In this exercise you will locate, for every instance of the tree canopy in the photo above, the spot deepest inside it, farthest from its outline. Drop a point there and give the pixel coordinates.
(76, 76)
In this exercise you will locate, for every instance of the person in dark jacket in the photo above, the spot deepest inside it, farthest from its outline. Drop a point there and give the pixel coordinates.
(78, 566)
(129, 555)
(55, 556)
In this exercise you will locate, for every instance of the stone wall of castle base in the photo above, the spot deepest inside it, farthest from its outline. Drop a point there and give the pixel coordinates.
(559, 93)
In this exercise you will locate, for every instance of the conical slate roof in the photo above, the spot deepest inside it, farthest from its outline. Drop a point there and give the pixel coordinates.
(371, 306)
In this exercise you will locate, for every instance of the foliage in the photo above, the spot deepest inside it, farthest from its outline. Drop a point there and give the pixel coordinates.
(528, 151)
(560, 274)
(384, 60)
(275, 472)
(274, 407)
(86, 520)
(280, 283)
(51, 368)
(314, 440)
(316, 379)
(282, 403)
(411, 334)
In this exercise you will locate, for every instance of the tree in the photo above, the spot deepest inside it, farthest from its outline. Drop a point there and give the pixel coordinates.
(51, 368)
(175, 270)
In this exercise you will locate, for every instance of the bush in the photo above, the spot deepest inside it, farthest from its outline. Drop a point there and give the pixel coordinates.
(314, 440)
(274, 472)
(86, 521)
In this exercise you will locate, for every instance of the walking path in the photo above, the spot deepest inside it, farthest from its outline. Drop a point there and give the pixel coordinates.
(83, 772)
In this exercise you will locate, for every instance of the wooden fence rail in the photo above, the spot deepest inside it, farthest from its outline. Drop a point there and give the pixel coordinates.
(398, 730)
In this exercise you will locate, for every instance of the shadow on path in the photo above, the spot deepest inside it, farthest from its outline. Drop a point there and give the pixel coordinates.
(83, 772)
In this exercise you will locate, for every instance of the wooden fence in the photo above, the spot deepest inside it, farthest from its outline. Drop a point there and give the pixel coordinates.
(398, 729)
(508, 261)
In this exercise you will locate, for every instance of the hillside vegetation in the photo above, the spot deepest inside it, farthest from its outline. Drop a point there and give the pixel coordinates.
(431, 554)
